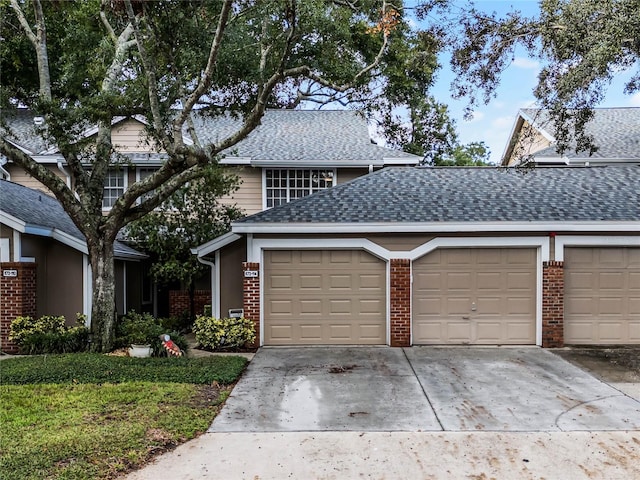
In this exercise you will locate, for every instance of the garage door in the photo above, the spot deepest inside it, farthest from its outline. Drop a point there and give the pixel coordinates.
(328, 297)
(475, 296)
(602, 296)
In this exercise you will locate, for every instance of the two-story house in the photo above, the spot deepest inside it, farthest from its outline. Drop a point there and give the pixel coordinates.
(292, 154)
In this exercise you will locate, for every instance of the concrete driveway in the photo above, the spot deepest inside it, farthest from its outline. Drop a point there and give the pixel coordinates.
(381, 389)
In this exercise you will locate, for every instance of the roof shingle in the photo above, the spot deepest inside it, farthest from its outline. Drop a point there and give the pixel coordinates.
(397, 195)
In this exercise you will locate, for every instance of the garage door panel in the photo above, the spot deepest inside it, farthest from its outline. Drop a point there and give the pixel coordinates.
(601, 303)
(334, 297)
(471, 295)
(281, 282)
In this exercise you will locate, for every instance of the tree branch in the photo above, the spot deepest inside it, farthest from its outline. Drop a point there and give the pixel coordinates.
(205, 79)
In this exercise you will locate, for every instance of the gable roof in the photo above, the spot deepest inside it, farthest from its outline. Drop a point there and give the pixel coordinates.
(304, 138)
(36, 213)
(412, 199)
(615, 131)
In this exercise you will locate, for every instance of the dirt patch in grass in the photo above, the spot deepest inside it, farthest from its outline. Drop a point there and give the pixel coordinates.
(619, 364)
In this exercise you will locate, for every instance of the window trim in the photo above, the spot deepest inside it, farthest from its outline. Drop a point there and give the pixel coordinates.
(264, 181)
(125, 183)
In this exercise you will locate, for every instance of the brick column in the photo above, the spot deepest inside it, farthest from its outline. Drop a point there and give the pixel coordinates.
(400, 301)
(17, 298)
(251, 297)
(552, 304)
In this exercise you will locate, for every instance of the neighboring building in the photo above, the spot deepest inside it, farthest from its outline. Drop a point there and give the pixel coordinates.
(615, 132)
(292, 154)
(438, 256)
(45, 265)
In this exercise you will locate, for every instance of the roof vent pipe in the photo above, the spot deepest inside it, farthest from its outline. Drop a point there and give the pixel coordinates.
(38, 121)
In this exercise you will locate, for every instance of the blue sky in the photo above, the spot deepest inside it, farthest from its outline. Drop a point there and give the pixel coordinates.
(492, 123)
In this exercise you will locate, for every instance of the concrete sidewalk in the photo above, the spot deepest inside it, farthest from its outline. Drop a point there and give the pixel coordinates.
(402, 455)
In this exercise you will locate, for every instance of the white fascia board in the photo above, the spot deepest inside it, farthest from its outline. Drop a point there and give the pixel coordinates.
(12, 222)
(316, 164)
(52, 158)
(20, 147)
(400, 161)
(563, 241)
(215, 244)
(71, 241)
(436, 227)
(235, 161)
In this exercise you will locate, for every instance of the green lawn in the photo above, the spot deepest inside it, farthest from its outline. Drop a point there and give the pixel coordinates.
(74, 428)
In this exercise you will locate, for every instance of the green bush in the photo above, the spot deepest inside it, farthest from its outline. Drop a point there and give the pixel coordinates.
(99, 368)
(223, 333)
(144, 329)
(48, 334)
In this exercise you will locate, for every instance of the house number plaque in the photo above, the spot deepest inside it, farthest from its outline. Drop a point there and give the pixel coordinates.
(10, 273)
(251, 273)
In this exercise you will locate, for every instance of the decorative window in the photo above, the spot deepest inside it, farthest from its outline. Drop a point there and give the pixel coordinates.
(284, 185)
(114, 186)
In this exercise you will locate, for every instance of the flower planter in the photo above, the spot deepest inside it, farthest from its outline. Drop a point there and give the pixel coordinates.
(140, 351)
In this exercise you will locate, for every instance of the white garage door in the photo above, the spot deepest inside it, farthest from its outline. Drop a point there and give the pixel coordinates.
(602, 296)
(475, 296)
(324, 297)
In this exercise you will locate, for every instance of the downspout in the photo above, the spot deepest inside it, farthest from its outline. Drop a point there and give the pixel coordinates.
(64, 172)
(214, 286)
(370, 167)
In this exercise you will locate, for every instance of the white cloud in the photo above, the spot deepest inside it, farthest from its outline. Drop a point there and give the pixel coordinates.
(634, 100)
(503, 122)
(526, 63)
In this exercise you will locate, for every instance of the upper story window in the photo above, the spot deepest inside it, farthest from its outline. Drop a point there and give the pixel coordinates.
(115, 183)
(284, 185)
(144, 172)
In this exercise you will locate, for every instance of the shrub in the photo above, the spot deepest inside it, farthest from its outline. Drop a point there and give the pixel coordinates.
(223, 333)
(144, 329)
(48, 334)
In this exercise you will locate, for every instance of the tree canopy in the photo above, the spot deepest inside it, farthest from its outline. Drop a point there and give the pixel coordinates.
(582, 44)
(86, 64)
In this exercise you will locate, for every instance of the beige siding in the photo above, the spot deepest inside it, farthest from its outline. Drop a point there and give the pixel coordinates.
(602, 296)
(130, 136)
(400, 242)
(231, 277)
(347, 174)
(18, 175)
(249, 195)
(475, 296)
(528, 141)
(320, 297)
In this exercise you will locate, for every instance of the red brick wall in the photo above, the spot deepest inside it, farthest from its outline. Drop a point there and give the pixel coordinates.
(400, 302)
(17, 298)
(179, 301)
(552, 304)
(251, 297)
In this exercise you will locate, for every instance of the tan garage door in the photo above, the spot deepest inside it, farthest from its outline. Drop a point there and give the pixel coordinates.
(602, 296)
(328, 297)
(475, 296)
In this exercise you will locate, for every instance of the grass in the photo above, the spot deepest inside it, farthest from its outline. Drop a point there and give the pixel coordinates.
(97, 429)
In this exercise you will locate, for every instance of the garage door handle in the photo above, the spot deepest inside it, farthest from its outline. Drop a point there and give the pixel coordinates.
(466, 318)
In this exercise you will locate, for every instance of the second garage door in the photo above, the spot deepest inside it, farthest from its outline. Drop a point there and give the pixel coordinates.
(324, 297)
(475, 296)
(602, 295)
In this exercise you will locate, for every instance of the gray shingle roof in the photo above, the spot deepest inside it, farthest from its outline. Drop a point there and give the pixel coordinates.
(615, 131)
(298, 136)
(40, 211)
(426, 195)
(314, 136)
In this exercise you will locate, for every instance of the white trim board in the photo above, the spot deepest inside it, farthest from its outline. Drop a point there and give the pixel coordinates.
(563, 241)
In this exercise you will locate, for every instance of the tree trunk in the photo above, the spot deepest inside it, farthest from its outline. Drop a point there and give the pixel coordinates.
(103, 307)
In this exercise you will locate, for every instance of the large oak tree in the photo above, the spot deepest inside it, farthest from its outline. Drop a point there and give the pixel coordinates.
(83, 64)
